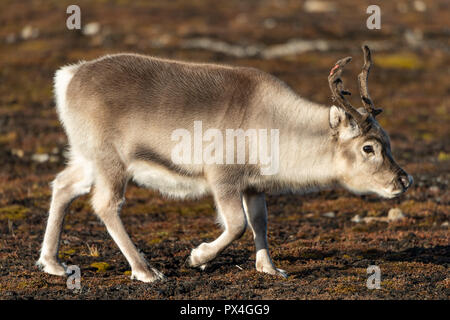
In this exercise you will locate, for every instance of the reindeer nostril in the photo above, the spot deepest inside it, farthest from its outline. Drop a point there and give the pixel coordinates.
(406, 181)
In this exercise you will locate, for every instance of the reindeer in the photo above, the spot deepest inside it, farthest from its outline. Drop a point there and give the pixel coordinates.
(119, 112)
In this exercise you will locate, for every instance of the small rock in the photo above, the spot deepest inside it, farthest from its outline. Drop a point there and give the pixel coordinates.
(319, 6)
(444, 224)
(221, 46)
(91, 29)
(370, 219)
(295, 46)
(17, 152)
(329, 214)
(434, 189)
(356, 219)
(29, 32)
(40, 157)
(414, 37)
(395, 214)
(270, 23)
(419, 6)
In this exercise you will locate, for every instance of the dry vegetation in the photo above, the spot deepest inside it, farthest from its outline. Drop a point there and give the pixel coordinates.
(326, 255)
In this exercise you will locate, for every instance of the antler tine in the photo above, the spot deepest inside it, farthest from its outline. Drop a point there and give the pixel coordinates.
(339, 93)
(363, 83)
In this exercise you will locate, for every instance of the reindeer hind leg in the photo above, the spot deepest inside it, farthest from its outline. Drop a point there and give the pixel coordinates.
(75, 180)
(107, 199)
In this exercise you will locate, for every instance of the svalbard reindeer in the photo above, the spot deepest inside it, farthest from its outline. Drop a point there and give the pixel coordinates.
(120, 111)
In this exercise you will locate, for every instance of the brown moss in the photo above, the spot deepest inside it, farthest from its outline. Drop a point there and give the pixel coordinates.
(101, 266)
(14, 212)
(343, 289)
(154, 241)
(398, 61)
(361, 228)
(66, 253)
(8, 137)
(443, 156)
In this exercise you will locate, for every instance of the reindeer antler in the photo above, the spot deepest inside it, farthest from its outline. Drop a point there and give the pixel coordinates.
(362, 81)
(339, 93)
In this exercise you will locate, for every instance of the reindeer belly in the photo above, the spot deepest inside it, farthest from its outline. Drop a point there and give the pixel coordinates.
(166, 181)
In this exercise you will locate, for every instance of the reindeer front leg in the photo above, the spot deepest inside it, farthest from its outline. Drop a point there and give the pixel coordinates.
(232, 216)
(256, 210)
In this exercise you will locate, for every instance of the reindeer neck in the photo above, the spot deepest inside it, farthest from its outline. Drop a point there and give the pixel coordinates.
(306, 143)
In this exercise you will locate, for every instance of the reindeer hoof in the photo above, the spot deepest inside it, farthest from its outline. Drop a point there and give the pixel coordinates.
(147, 276)
(200, 256)
(189, 264)
(51, 267)
(273, 271)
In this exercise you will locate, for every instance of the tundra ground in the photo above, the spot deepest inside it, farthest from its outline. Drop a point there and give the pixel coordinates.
(325, 254)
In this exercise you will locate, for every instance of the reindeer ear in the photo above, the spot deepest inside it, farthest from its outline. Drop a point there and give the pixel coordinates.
(337, 115)
(343, 123)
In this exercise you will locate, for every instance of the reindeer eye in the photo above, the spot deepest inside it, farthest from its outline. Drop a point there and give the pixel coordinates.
(368, 149)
